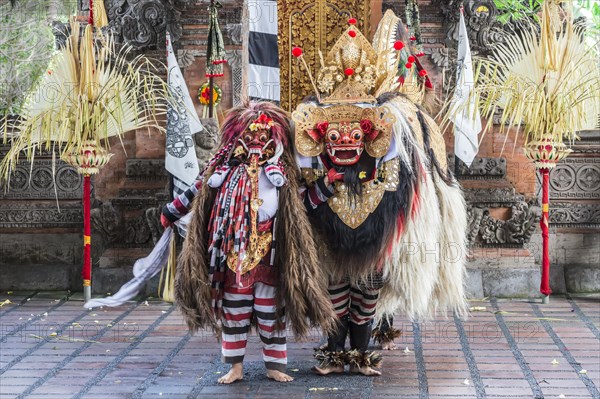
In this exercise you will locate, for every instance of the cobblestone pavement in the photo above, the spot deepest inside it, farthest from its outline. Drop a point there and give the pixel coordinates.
(53, 348)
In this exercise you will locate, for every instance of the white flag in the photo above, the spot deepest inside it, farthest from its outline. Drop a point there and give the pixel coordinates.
(182, 123)
(467, 122)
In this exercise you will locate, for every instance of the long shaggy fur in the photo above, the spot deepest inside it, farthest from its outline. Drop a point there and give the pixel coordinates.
(192, 286)
(425, 271)
(303, 284)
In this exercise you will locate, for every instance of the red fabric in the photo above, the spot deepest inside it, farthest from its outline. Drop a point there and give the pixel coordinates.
(233, 345)
(86, 272)
(238, 317)
(545, 284)
(274, 353)
(91, 17)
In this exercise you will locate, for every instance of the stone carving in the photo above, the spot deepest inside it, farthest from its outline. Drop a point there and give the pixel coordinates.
(152, 169)
(206, 140)
(569, 214)
(115, 231)
(185, 58)
(106, 222)
(493, 197)
(234, 31)
(153, 219)
(485, 230)
(576, 178)
(474, 216)
(482, 28)
(37, 182)
(234, 59)
(481, 168)
(480, 19)
(40, 215)
(517, 230)
(141, 23)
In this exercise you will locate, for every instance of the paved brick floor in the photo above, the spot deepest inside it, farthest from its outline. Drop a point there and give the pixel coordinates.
(53, 348)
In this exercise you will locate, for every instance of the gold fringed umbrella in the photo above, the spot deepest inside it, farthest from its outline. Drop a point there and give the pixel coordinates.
(90, 93)
(544, 82)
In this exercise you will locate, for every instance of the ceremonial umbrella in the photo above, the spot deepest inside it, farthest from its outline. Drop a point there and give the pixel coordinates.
(91, 92)
(543, 80)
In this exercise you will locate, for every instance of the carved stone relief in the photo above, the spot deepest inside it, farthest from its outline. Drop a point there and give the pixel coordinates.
(576, 178)
(141, 23)
(234, 59)
(485, 230)
(115, 231)
(481, 168)
(40, 215)
(36, 182)
(575, 215)
(515, 231)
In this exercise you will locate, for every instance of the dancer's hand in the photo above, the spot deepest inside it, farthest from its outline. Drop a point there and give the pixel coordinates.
(333, 176)
(164, 221)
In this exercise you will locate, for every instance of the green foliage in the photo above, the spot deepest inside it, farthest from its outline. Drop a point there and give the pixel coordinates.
(26, 46)
(515, 10)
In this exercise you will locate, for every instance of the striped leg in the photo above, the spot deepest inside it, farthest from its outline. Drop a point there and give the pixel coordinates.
(272, 335)
(363, 303)
(340, 297)
(237, 313)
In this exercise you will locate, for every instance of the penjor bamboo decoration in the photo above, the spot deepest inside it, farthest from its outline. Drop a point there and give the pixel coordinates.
(91, 93)
(543, 81)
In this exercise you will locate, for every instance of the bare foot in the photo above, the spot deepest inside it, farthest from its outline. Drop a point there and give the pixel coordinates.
(279, 376)
(389, 346)
(365, 371)
(236, 373)
(328, 370)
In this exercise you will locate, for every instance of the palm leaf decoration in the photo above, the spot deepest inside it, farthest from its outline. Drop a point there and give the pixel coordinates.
(543, 80)
(90, 93)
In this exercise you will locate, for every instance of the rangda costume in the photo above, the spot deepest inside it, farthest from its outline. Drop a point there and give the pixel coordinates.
(249, 249)
(379, 195)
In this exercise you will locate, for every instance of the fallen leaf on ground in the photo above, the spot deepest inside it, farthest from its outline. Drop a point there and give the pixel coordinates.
(477, 308)
(5, 302)
(406, 350)
(554, 362)
(583, 371)
(561, 396)
(323, 389)
(466, 382)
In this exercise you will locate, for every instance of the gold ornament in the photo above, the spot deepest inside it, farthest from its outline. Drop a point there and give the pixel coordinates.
(258, 244)
(545, 154)
(307, 116)
(351, 210)
(88, 159)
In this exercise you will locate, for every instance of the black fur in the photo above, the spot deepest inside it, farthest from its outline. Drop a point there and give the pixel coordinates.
(356, 251)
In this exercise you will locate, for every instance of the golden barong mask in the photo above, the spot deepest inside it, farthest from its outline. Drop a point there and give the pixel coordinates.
(343, 132)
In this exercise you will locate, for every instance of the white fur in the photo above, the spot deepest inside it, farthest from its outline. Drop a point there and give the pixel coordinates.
(425, 272)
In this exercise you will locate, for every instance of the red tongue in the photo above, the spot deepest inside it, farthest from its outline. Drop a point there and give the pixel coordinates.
(345, 154)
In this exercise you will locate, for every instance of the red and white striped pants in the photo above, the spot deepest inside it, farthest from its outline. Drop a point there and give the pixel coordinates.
(360, 303)
(239, 304)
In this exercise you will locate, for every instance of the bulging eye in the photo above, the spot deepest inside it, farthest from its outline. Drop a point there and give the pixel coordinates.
(334, 136)
(357, 136)
(263, 138)
(248, 138)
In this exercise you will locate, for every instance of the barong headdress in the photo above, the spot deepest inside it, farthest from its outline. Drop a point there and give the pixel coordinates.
(353, 72)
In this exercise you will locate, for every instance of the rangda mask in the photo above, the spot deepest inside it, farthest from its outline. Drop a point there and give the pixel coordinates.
(256, 141)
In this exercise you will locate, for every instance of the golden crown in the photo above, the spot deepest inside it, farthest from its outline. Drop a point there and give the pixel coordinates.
(355, 70)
